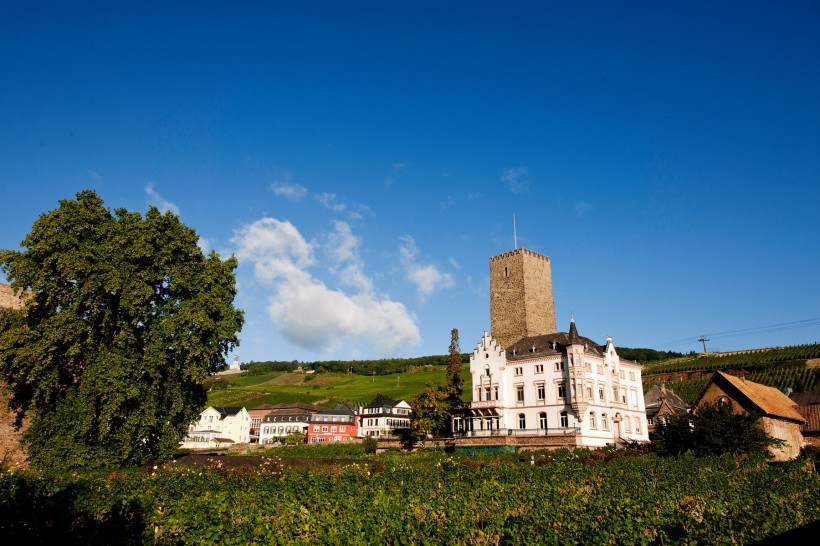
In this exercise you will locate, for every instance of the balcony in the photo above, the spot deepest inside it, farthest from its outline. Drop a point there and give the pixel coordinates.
(484, 404)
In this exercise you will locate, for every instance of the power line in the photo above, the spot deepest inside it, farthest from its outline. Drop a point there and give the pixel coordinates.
(793, 325)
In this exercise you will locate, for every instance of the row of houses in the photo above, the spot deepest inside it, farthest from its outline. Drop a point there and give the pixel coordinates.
(271, 423)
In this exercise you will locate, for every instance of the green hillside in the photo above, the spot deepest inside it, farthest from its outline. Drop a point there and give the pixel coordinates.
(327, 388)
(780, 367)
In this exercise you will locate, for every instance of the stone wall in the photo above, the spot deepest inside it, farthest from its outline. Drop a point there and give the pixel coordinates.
(786, 431)
(9, 298)
(523, 443)
(12, 455)
(521, 299)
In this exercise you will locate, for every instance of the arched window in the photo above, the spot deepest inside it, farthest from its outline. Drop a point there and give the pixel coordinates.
(564, 419)
(522, 421)
(542, 421)
(605, 421)
(592, 423)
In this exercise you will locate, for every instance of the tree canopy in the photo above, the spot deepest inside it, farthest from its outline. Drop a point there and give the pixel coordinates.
(126, 320)
(714, 430)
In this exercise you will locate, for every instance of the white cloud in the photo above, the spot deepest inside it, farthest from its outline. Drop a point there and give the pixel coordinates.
(342, 249)
(427, 278)
(294, 192)
(330, 202)
(517, 179)
(95, 176)
(276, 249)
(321, 319)
(158, 201)
(582, 208)
(308, 312)
(204, 245)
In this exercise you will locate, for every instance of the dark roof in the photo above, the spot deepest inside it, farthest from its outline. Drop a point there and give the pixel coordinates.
(224, 411)
(551, 344)
(805, 398)
(811, 413)
(297, 405)
(659, 393)
(382, 403)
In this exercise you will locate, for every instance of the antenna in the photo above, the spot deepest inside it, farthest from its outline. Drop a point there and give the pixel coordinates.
(515, 236)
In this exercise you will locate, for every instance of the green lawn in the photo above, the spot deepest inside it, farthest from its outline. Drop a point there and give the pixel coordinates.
(327, 388)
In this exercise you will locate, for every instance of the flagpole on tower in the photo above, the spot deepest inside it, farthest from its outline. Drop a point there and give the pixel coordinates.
(515, 235)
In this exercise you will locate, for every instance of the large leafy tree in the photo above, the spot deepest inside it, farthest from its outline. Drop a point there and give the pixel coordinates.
(713, 430)
(126, 320)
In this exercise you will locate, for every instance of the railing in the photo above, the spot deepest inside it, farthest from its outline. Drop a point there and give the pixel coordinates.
(519, 432)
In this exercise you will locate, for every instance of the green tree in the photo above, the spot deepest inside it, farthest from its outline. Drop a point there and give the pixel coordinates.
(713, 430)
(430, 412)
(453, 380)
(126, 320)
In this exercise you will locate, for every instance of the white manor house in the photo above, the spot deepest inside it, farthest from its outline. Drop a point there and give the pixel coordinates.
(530, 380)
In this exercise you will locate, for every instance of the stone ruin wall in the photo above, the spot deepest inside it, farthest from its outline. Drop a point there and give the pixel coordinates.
(9, 299)
(12, 455)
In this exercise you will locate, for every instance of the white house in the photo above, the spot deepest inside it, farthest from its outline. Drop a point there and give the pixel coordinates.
(555, 384)
(384, 417)
(219, 427)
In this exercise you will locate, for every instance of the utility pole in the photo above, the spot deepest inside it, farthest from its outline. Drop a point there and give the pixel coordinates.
(374, 377)
(397, 380)
(704, 339)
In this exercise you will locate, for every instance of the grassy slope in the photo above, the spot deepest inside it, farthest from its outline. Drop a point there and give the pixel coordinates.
(327, 388)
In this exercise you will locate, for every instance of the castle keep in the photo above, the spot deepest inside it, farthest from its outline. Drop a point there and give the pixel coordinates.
(521, 300)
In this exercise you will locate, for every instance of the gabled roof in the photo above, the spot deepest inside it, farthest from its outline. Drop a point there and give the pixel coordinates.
(769, 400)
(659, 393)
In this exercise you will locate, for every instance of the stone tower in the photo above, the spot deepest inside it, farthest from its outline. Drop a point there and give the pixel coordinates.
(521, 300)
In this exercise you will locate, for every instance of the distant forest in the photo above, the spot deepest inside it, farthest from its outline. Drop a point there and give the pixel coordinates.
(384, 366)
(389, 366)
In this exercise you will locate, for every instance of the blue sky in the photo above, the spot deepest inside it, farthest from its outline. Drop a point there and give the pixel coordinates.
(364, 160)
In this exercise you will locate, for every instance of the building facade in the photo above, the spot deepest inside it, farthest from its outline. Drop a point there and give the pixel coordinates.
(555, 384)
(315, 423)
(333, 425)
(219, 427)
(384, 418)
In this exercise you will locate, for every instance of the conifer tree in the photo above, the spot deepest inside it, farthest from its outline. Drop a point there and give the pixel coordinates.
(454, 380)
